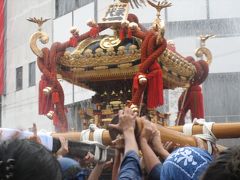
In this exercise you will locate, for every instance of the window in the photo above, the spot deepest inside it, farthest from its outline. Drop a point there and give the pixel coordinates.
(32, 74)
(19, 77)
(63, 7)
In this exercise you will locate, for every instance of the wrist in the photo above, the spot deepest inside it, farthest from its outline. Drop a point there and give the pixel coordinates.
(143, 141)
(128, 131)
(163, 153)
(100, 166)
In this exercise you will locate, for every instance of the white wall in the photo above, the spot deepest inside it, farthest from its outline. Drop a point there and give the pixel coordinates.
(187, 10)
(225, 51)
(224, 9)
(20, 108)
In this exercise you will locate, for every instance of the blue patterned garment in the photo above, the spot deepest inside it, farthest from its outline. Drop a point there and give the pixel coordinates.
(185, 163)
(71, 169)
(130, 168)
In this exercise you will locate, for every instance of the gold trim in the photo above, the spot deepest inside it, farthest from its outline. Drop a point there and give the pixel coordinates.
(43, 37)
(126, 65)
(204, 51)
(106, 74)
(177, 72)
(100, 67)
(86, 43)
(109, 41)
(82, 61)
(177, 64)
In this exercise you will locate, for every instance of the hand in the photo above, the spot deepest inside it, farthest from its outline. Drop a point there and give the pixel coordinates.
(147, 131)
(118, 143)
(35, 137)
(127, 120)
(64, 147)
(89, 158)
(170, 146)
(156, 143)
(108, 164)
(200, 143)
(104, 165)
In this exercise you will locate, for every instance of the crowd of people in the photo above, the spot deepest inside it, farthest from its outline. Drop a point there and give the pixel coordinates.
(141, 156)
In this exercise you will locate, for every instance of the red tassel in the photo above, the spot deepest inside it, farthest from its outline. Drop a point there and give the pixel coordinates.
(59, 126)
(41, 102)
(55, 119)
(155, 87)
(135, 84)
(44, 101)
(129, 34)
(196, 104)
(94, 32)
(73, 42)
(193, 102)
(121, 34)
(55, 98)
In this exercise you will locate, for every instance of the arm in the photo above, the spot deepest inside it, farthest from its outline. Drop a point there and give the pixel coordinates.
(149, 157)
(130, 167)
(96, 172)
(158, 146)
(130, 141)
(126, 125)
(64, 147)
(151, 161)
(117, 161)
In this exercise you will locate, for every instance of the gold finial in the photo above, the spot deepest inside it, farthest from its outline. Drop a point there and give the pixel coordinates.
(204, 38)
(160, 5)
(158, 25)
(136, 3)
(202, 50)
(39, 21)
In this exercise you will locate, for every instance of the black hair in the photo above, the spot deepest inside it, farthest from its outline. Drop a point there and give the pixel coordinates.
(226, 166)
(31, 161)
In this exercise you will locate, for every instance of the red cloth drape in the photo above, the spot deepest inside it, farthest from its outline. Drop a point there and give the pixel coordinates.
(155, 86)
(1, 46)
(193, 102)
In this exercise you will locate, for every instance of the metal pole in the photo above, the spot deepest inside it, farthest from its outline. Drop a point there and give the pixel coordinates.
(207, 8)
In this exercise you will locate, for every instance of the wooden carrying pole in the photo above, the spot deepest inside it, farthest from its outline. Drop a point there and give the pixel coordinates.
(166, 135)
(76, 136)
(174, 134)
(220, 130)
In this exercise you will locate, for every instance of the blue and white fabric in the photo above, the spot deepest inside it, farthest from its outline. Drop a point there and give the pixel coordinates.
(185, 163)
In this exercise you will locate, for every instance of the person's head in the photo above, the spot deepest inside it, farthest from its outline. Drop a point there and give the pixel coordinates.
(226, 166)
(25, 159)
(185, 163)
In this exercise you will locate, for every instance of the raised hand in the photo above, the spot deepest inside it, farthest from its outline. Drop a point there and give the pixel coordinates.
(118, 143)
(64, 147)
(127, 120)
(35, 137)
(147, 131)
